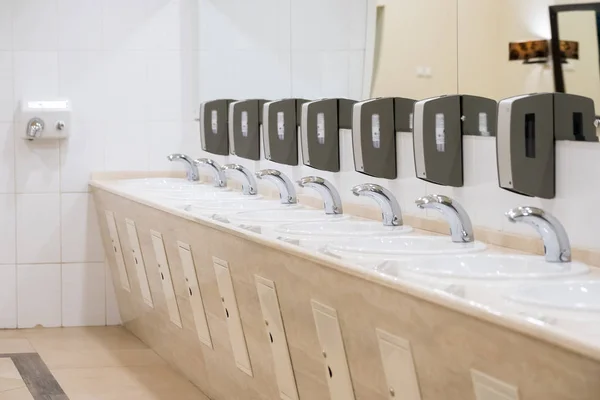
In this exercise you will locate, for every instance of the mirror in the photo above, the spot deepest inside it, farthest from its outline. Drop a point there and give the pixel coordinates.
(575, 49)
(415, 49)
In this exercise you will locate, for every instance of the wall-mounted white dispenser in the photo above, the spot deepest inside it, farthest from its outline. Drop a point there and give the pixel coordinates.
(44, 119)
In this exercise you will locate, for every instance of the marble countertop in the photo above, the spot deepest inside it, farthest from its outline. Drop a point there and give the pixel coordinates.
(575, 331)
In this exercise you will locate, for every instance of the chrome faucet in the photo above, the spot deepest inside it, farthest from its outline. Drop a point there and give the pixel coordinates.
(287, 192)
(553, 233)
(331, 197)
(190, 166)
(390, 209)
(461, 229)
(249, 185)
(219, 176)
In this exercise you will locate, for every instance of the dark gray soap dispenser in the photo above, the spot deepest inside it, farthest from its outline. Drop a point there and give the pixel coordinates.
(528, 127)
(321, 122)
(245, 120)
(478, 115)
(281, 120)
(437, 140)
(374, 126)
(214, 136)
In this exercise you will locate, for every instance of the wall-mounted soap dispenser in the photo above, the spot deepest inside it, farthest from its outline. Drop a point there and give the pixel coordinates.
(439, 126)
(214, 136)
(528, 127)
(281, 120)
(245, 120)
(321, 122)
(374, 126)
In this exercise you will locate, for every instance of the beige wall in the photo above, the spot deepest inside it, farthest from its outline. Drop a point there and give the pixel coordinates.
(416, 34)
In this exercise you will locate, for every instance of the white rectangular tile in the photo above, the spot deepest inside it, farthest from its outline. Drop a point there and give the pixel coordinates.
(83, 294)
(81, 154)
(112, 308)
(165, 86)
(6, 86)
(37, 165)
(6, 25)
(80, 233)
(127, 147)
(7, 158)
(83, 80)
(39, 295)
(126, 85)
(80, 25)
(165, 138)
(163, 24)
(36, 75)
(8, 220)
(31, 33)
(8, 296)
(124, 21)
(38, 228)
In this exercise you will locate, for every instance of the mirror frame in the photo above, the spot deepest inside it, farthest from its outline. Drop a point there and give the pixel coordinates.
(559, 79)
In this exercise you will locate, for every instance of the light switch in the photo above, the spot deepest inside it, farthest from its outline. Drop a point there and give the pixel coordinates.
(269, 305)
(194, 294)
(232, 316)
(490, 388)
(117, 249)
(165, 277)
(138, 260)
(399, 367)
(333, 352)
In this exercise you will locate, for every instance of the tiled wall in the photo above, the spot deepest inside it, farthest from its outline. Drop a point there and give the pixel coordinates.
(135, 72)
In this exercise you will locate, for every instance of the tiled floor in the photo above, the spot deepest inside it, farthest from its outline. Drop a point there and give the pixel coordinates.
(105, 363)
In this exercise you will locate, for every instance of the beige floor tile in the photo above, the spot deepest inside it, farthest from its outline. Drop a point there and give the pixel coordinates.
(57, 359)
(131, 383)
(17, 394)
(114, 338)
(15, 345)
(10, 379)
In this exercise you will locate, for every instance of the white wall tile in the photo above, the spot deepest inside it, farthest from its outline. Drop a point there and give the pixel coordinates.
(112, 308)
(125, 22)
(7, 158)
(8, 215)
(8, 296)
(39, 35)
(127, 147)
(165, 94)
(83, 294)
(163, 24)
(126, 85)
(36, 75)
(38, 228)
(6, 25)
(6, 86)
(80, 232)
(83, 80)
(333, 24)
(81, 154)
(165, 138)
(37, 164)
(80, 25)
(39, 295)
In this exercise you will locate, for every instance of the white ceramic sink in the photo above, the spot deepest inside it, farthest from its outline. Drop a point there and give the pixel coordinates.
(400, 247)
(483, 266)
(279, 217)
(150, 183)
(208, 195)
(226, 207)
(581, 295)
(343, 228)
